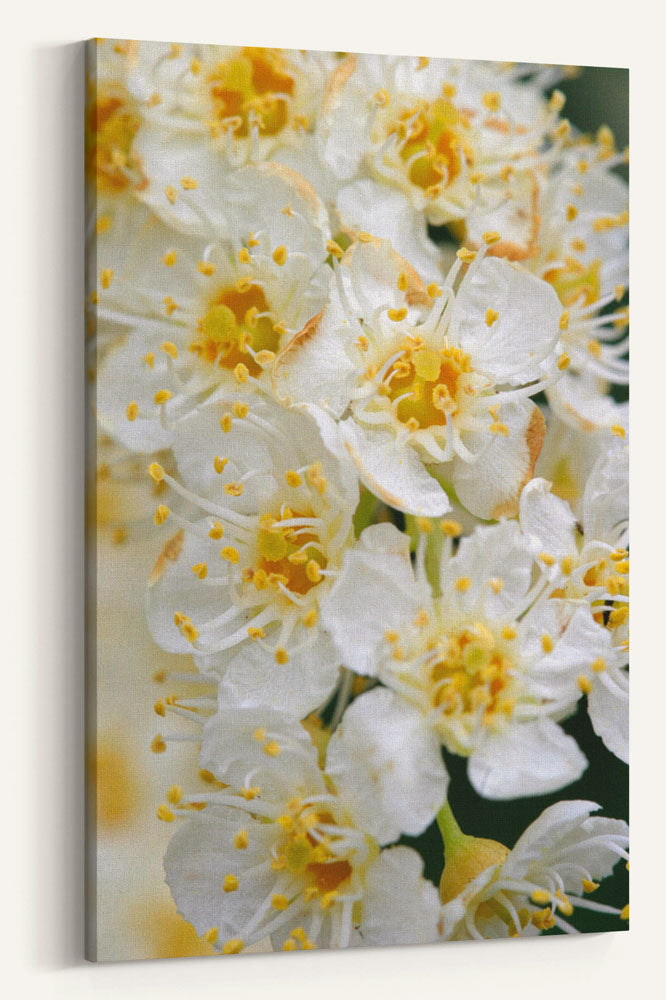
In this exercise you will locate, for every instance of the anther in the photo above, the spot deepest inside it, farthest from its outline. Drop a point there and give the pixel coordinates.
(156, 472)
(491, 100)
(451, 528)
(547, 643)
(230, 883)
(132, 411)
(233, 947)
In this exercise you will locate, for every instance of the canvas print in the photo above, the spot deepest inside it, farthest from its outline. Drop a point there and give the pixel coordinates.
(358, 589)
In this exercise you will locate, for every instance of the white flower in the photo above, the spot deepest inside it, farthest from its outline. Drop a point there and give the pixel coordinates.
(210, 309)
(580, 245)
(233, 105)
(364, 206)
(489, 891)
(587, 560)
(569, 455)
(584, 254)
(452, 136)
(241, 587)
(420, 378)
(283, 852)
(487, 669)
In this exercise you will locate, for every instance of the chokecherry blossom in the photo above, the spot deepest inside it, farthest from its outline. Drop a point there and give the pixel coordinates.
(435, 379)
(281, 851)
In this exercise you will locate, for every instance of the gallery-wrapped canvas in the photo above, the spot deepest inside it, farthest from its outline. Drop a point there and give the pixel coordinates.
(358, 483)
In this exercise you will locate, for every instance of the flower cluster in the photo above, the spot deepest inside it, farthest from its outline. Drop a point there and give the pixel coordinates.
(389, 467)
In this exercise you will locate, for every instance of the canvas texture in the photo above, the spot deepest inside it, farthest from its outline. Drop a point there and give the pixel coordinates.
(358, 591)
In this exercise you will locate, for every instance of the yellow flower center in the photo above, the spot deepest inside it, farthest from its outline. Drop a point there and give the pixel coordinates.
(232, 322)
(113, 123)
(474, 677)
(307, 851)
(290, 555)
(434, 142)
(574, 283)
(430, 383)
(254, 86)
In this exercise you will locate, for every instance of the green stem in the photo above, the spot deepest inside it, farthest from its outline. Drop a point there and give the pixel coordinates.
(448, 827)
(365, 511)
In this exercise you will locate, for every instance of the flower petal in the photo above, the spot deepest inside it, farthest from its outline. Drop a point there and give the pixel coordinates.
(392, 472)
(400, 906)
(526, 329)
(387, 765)
(490, 486)
(530, 759)
(374, 591)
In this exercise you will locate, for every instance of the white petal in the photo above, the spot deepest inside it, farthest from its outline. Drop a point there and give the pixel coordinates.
(232, 748)
(526, 330)
(201, 853)
(497, 554)
(608, 705)
(375, 591)
(399, 906)
(530, 759)
(547, 521)
(394, 473)
(386, 212)
(581, 401)
(315, 366)
(606, 497)
(490, 486)
(252, 676)
(173, 587)
(387, 766)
